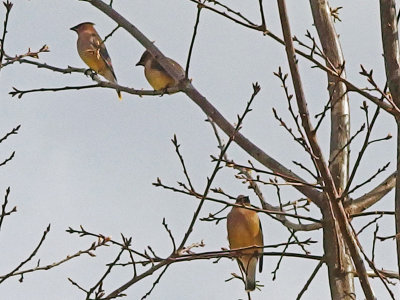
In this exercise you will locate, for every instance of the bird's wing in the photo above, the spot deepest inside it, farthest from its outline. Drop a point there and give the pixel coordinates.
(157, 66)
(260, 265)
(101, 49)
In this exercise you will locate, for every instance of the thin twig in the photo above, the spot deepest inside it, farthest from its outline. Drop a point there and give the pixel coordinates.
(8, 5)
(350, 86)
(372, 266)
(256, 89)
(7, 159)
(313, 274)
(77, 285)
(334, 208)
(229, 10)
(88, 251)
(3, 207)
(106, 273)
(305, 169)
(374, 242)
(127, 244)
(196, 25)
(281, 258)
(369, 213)
(175, 142)
(368, 224)
(155, 282)
(110, 34)
(12, 132)
(363, 148)
(104, 84)
(274, 212)
(82, 232)
(380, 170)
(170, 234)
(263, 23)
(283, 176)
(348, 143)
(34, 252)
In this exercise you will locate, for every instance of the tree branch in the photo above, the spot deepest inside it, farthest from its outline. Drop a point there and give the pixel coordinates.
(391, 51)
(204, 104)
(327, 178)
(367, 200)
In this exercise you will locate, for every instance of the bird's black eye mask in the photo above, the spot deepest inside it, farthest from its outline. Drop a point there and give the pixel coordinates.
(243, 200)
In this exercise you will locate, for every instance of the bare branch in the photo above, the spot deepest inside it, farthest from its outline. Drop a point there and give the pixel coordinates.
(7, 159)
(350, 86)
(256, 89)
(391, 49)
(170, 234)
(5, 213)
(100, 83)
(82, 232)
(155, 282)
(203, 103)
(322, 166)
(380, 170)
(196, 25)
(110, 34)
(313, 274)
(263, 23)
(33, 54)
(175, 142)
(370, 125)
(369, 224)
(360, 204)
(8, 5)
(106, 273)
(271, 211)
(12, 132)
(88, 251)
(34, 252)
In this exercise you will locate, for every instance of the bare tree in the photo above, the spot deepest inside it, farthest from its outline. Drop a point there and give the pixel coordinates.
(333, 181)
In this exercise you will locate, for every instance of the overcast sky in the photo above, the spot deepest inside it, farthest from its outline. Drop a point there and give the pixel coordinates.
(85, 158)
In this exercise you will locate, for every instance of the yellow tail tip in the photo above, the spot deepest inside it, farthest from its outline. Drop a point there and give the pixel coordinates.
(119, 95)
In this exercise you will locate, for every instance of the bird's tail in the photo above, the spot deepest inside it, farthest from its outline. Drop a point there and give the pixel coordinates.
(110, 76)
(251, 274)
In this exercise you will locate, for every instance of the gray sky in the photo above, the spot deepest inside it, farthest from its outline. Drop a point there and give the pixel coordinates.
(84, 158)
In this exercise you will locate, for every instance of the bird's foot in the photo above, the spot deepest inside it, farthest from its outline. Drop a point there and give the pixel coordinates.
(90, 72)
(164, 91)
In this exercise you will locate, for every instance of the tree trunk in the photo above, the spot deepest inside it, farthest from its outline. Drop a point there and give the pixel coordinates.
(391, 51)
(340, 268)
(397, 197)
(338, 261)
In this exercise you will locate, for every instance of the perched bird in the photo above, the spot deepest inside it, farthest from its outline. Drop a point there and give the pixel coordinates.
(244, 230)
(155, 74)
(93, 52)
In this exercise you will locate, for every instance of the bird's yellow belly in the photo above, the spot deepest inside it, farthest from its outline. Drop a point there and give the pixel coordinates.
(241, 238)
(159, 80)
(93, 61)
(244, 231)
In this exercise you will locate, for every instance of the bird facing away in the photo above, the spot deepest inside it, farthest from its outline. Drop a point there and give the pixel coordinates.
(244, 230)
(155, 74)
(93, 52)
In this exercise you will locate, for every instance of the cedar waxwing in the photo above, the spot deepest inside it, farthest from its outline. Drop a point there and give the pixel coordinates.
(244, 230)
(93, 52)
(155, 74)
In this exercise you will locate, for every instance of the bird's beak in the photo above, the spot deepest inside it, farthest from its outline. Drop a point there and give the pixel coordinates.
(139, 63)
(73, 29)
